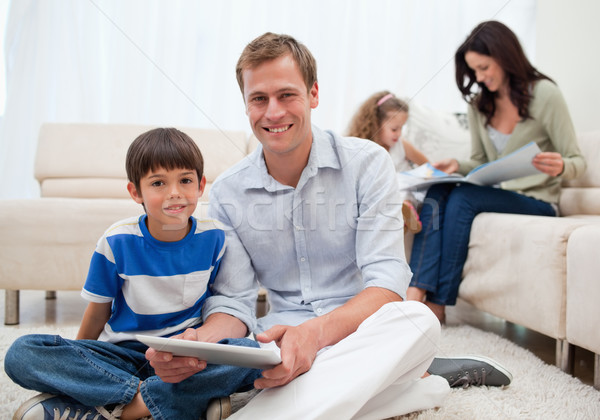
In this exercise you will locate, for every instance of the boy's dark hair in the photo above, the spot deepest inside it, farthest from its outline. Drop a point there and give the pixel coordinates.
(166, 148)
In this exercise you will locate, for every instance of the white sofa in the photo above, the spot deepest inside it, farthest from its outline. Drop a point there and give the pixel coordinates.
(519, 267)
(47, 242)
(539, 272)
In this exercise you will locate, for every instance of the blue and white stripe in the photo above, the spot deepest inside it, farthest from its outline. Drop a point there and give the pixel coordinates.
(155, 287)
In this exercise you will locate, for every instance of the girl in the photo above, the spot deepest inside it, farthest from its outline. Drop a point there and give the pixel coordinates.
(380, 119)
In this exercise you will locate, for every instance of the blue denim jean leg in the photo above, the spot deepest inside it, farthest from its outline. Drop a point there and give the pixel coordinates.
(440, 250)
(97, 373)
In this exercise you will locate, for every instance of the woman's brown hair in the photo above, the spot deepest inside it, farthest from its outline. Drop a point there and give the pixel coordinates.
(496, 40)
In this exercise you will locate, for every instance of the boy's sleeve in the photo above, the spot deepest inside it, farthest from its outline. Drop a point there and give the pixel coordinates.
(103, 282)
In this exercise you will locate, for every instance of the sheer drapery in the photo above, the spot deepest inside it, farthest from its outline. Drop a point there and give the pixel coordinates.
(172, 62)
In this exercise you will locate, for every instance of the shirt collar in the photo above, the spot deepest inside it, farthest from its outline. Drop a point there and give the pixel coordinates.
(323, 154)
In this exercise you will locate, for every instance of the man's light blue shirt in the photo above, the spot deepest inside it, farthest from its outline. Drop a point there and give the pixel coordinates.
(312, 247)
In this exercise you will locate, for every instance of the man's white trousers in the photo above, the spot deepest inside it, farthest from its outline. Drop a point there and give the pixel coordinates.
(374, 373)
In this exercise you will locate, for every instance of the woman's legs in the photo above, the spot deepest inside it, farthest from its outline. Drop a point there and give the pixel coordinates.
(427, 246)
(450, 241)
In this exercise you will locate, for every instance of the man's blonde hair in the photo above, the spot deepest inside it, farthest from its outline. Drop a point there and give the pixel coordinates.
(270, 46)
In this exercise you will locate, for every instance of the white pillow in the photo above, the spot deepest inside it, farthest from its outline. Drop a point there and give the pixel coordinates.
(437, 134)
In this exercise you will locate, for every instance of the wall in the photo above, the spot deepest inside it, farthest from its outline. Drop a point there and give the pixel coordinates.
(567, 50)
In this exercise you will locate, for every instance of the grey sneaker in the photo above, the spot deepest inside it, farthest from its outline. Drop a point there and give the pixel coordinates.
(51, 407)
(218, 408)
(470, 370)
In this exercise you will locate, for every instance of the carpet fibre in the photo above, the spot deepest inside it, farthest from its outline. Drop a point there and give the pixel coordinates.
(538, 390)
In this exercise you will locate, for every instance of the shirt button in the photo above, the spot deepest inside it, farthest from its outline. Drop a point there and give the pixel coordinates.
(319, 310)
(302, 259)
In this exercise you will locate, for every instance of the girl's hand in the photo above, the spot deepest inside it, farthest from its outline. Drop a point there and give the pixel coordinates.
(550, 163)
(447, 165)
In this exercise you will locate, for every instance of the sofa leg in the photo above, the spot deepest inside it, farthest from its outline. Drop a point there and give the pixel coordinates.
(597, 371)
(565, 356)
(262, 303)
(11, 307)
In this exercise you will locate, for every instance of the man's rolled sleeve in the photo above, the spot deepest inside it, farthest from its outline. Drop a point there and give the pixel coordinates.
(235, 290)
(380, 229)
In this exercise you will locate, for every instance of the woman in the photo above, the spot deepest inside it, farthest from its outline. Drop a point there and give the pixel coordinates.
(513, 105)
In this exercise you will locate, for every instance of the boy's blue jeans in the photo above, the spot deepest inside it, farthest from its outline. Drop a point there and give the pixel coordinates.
(440, 250)
(97, 373)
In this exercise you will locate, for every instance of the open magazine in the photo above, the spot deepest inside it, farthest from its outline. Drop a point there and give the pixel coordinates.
(514, 165)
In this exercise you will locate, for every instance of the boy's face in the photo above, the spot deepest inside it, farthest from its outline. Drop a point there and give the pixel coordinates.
(278, 105)
(170, 198)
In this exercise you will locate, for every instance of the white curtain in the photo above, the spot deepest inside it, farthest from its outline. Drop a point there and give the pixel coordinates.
(171, 62)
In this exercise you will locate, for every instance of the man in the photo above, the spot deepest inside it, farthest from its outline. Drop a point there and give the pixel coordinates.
(316, 220)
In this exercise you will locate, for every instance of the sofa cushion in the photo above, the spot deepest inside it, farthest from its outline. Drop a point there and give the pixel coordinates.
(589, 143)
(583, 287)
(516, 268)
(582, 195)
(579, 200)
(88, 160)
(47, 243)
(437, 134)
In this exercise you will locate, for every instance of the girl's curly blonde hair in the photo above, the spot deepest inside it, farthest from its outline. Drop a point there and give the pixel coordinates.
(369, 118)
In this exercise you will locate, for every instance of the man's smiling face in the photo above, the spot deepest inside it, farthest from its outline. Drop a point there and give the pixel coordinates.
(278, 105)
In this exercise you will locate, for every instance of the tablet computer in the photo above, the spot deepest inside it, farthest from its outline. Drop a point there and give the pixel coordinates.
(215, 353)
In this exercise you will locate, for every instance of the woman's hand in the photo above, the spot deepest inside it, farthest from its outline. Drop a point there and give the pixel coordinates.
(550, 163)
(447, 165)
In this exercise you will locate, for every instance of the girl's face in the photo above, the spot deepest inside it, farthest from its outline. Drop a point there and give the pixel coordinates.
(391, 128)
(487, 71)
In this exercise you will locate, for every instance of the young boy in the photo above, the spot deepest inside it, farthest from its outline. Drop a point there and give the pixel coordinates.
(149, 274)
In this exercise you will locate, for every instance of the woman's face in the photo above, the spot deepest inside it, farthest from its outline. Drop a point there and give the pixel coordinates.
(487, 71)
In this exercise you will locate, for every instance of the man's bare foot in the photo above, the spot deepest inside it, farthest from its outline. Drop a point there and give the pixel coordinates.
(438, 310)
(414, 293)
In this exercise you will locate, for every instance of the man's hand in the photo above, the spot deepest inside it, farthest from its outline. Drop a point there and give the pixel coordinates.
(173, 369)
(299, 348)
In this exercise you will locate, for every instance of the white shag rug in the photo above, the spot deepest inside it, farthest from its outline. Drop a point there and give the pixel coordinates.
(538, 390)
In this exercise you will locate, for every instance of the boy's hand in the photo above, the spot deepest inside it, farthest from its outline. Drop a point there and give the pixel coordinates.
(173, 369)
(298, 351)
